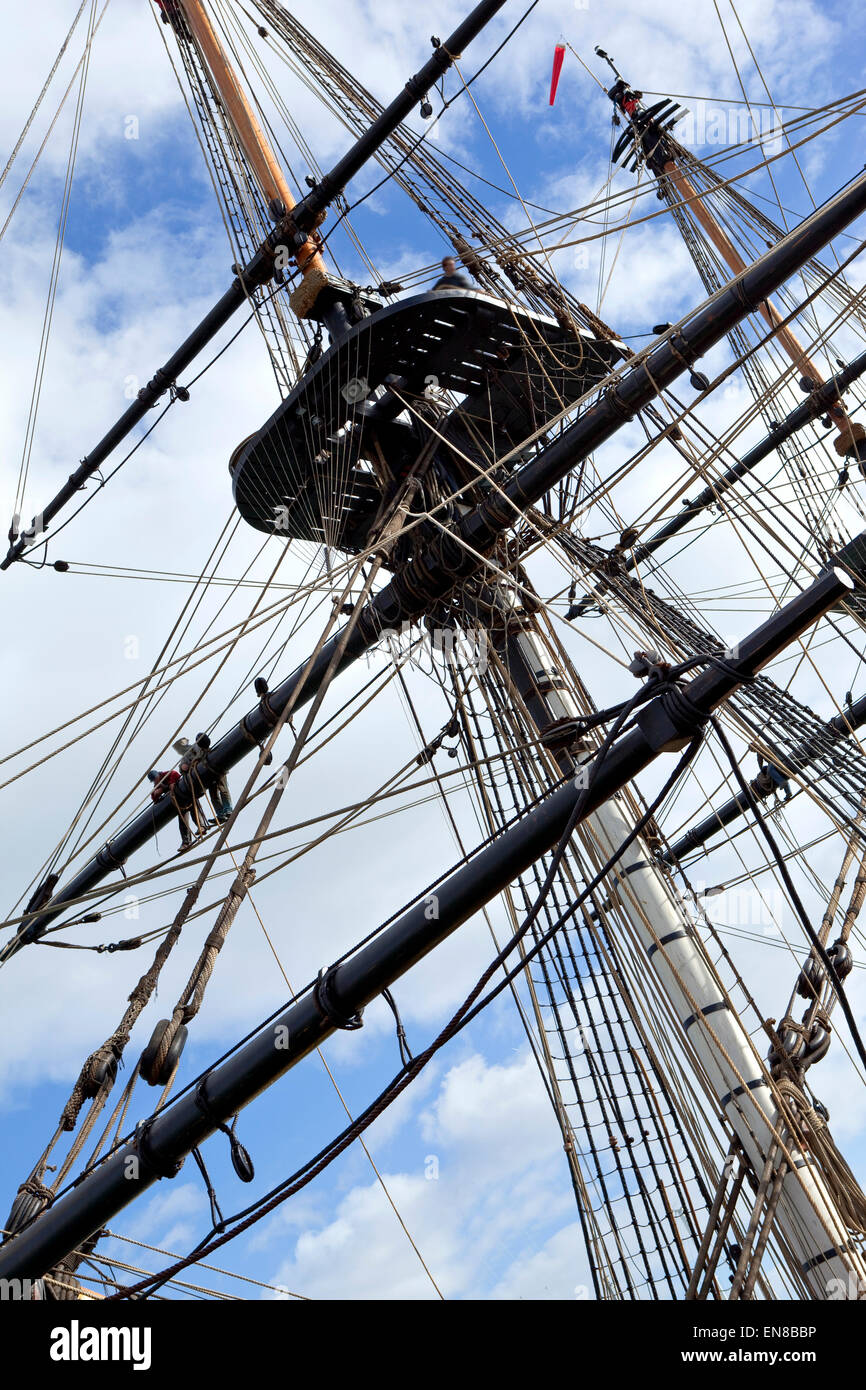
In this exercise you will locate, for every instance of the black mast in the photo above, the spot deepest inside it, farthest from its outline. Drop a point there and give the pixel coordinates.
(434, 571)
(819, 399)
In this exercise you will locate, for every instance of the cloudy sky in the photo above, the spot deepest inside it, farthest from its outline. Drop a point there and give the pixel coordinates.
(471, 1155)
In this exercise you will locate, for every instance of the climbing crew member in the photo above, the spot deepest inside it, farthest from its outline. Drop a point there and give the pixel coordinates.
(163, 785)
(630, 101)
(450, 278)
(624, 97)
(190, 754)
(222, 802)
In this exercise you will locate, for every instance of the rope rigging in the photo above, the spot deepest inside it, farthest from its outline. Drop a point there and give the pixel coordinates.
(632, 1093)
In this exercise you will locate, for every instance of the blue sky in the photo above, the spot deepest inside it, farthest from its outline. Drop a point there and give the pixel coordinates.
(145, 255)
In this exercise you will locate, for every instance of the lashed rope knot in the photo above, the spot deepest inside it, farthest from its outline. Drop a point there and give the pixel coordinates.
(36, 1188)
(97, 1073)
(817, 1139)
(30, 1201)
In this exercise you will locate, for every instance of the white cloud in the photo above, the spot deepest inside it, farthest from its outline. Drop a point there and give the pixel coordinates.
(168, 1219)
(499, 1219)
(557, 1271)
(484, 1189)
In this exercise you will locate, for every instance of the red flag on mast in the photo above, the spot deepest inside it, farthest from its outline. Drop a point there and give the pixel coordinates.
(558, 56)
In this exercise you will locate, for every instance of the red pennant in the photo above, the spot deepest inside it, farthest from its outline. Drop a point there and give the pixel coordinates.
(558, 56)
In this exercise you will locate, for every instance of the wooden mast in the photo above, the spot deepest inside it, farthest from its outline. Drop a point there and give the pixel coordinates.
(255, 145)
(849, 433)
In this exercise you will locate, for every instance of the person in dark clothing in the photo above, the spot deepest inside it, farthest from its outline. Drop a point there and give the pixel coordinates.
(222, 802)
(163, 785)
(450, 278)
(624, 97)
(219, 794)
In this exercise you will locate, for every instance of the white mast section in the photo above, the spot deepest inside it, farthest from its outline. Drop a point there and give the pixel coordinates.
(807, 1214)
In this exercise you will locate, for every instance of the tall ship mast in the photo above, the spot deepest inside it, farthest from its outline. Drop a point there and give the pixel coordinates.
(484, 505)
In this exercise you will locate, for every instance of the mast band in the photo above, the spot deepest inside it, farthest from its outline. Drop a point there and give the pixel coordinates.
(702, 1013)
(738, 1090)
(671, 936)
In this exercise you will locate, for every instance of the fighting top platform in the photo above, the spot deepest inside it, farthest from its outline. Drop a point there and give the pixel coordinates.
(320, 466)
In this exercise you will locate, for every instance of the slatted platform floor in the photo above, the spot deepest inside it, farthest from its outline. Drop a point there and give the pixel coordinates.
(307, 472)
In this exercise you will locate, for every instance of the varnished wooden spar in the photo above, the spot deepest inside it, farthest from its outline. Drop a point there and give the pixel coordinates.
(784, 335)
(650, 127)
(287, 237)
(254, 142)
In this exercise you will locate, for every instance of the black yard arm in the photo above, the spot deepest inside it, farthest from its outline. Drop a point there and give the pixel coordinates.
(817, 403)
(160, 1145)
(290, 233)
(434, 570)
(767, 783)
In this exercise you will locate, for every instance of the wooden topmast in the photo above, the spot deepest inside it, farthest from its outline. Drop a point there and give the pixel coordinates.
(263, 162)
(649, 132)
(847, 431)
